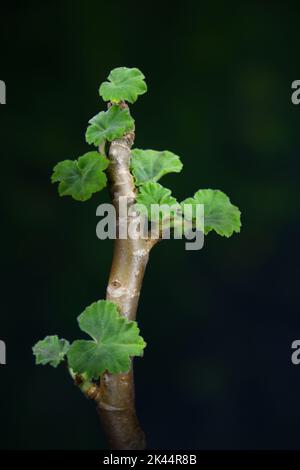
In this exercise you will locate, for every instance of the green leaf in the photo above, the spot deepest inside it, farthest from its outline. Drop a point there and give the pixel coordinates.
(219, 214)
(124, 85)
(115, 340)
(109, 125)
(81, 178)
(154, 193)
(151, 165)
(50, 350)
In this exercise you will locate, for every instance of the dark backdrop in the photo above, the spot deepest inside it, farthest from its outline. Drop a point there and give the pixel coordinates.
(219, 322)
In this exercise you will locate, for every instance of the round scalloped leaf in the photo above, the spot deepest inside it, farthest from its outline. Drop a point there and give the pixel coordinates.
(81, 178)
(115, 341)
(219, 214)
(124, 84)
(153, 193)
(151, 165)
(51, 350)
(109, 125)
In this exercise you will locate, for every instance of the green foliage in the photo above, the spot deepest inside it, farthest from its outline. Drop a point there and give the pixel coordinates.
(151, 165)
(154, 193)
(81, 178)
(115, 340)
(50, 350)
(219, 214)
(124, 84)
(109, 125)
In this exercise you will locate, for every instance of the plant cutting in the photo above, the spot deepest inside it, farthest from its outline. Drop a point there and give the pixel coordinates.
(101, 363)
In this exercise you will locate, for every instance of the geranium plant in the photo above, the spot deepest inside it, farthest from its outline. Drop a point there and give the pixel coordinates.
(101, 362)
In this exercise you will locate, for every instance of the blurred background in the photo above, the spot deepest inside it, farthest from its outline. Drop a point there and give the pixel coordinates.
(219, 322)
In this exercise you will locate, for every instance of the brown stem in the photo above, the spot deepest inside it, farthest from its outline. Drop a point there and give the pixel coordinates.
(115, 398)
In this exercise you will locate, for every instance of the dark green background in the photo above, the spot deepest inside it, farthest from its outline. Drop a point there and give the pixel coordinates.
(218, 322)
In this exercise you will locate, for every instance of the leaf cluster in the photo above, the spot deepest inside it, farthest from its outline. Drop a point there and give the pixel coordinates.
(85, 176)
(114, 340)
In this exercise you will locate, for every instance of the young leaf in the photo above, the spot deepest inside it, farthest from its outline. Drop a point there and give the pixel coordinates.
(154, 193)
(151, 165)
(115, 340)
(109, 125)
(81, 178)
(219, 214)
(50, 350)
(124, 84)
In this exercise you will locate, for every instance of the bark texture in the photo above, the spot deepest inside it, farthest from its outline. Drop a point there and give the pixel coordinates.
(115, 397)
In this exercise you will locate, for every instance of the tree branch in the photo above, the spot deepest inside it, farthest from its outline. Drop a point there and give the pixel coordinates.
(115, 398)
